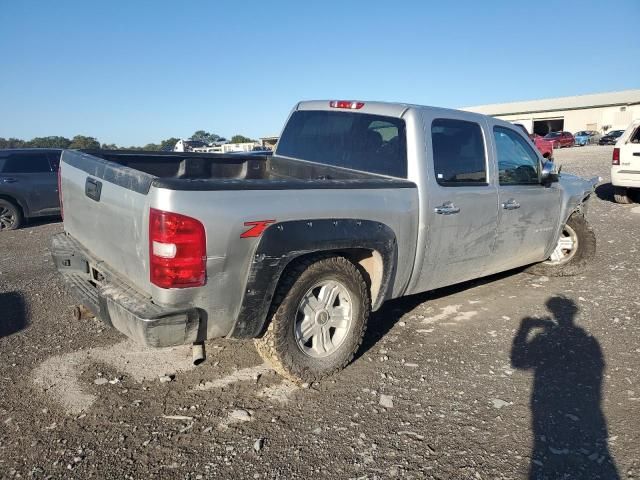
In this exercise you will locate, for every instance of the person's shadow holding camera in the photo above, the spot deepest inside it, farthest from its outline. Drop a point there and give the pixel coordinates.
(569, 428)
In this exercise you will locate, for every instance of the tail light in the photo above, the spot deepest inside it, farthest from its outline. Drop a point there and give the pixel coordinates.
(177, 250)
(346, 104)
(60, 189)
(615, 159)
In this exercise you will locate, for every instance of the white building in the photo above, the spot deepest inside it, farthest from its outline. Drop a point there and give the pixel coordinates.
(600, 112)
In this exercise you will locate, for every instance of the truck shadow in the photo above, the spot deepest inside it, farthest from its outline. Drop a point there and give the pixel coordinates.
(13, 313)
(392, 311)
(570, 437)
(604, 191)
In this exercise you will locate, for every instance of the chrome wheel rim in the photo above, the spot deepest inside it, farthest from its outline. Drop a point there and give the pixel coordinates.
(323, 319)
(566, 247)
(7, 218)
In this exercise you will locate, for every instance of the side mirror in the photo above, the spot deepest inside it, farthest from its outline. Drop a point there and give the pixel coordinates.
(549, 173)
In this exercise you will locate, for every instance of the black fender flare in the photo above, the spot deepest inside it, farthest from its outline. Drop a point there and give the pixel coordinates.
(284, 242)
(18, 200)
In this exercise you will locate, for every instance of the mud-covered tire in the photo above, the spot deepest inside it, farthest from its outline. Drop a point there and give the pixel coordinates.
(585, 251)
(622, 195)
(10, 215)
(279, 345)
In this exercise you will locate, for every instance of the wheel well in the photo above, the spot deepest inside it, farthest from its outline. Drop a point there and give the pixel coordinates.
(15, 202)
(368, 261)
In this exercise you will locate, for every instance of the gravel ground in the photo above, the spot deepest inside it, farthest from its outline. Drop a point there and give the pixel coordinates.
(446, 386)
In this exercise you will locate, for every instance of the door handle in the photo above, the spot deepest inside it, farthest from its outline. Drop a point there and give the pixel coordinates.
(447, 208)
(511, 204)
(9, 180)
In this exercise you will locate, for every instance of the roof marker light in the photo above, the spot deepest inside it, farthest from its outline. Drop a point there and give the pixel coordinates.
(348, 104)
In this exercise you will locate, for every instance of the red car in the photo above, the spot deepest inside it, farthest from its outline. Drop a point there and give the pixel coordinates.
(560, 139)
(544, 146)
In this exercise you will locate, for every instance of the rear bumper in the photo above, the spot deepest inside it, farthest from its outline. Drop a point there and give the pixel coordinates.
(118, 304)
(625, 177)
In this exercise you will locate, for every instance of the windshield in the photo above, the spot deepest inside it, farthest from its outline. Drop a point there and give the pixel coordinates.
(583, 134)
(360, 141)
(616, 133)
(552, 135)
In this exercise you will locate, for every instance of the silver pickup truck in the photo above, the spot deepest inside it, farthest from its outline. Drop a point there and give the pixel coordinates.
(361, 202)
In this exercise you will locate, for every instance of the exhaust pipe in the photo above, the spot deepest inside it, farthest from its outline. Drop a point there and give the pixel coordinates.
(198, 353)
(80, 312)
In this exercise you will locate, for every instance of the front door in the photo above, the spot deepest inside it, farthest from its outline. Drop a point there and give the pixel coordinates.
(462, 216)
(528, 211)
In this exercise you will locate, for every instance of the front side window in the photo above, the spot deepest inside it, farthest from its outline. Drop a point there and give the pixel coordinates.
(361, 141)
(518, 164)
(26, 163)
(458, 153)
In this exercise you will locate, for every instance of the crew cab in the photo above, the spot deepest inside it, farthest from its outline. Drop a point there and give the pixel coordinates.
(361, 202)
(625, 164)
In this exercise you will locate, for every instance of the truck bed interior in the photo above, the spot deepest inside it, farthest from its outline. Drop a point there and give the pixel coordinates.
(225, 166)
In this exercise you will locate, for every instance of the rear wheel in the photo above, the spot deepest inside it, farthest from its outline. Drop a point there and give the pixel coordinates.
(318, 319)
(10, 215)
(575, 248)
(622, 195)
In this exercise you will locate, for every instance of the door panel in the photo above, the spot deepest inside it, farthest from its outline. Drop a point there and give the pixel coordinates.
(461, 217)
(528, 210)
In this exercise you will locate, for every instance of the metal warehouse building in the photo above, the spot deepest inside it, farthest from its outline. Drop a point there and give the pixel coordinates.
(600, 112)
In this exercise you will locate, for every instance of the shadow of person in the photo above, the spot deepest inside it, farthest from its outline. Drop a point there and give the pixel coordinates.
(569, 427)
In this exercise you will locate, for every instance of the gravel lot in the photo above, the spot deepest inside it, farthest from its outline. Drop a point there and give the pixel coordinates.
(445, 387)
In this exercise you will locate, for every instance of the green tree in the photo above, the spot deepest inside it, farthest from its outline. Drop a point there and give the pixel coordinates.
(241, 139)
(109, 146)
(169, 143)
(205, 137)
(12, 143)
(81, 141)
(151, 147)
(49, 142)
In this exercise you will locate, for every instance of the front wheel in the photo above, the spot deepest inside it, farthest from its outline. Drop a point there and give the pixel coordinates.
(318, 319)
(575, 248)
(10, 215)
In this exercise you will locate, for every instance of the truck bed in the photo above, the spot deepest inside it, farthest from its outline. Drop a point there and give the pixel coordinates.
(138, 170)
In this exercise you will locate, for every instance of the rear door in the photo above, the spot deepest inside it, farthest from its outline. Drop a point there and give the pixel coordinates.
(462, 216)
(630, 154)
(28, 175)
(529, 211)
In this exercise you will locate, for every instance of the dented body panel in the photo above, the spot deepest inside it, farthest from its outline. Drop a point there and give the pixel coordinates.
(392, 227)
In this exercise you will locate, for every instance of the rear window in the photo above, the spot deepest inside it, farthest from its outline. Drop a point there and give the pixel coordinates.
(361, 141)
(24, 162)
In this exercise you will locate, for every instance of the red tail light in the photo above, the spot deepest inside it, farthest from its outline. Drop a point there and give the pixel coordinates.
(615, 159)
(60, 189)
(346, 104)
(177, 250)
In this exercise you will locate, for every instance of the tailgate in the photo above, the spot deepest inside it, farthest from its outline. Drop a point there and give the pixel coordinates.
(106, 210)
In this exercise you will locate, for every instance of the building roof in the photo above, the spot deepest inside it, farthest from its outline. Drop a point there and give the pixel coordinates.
(625, 97)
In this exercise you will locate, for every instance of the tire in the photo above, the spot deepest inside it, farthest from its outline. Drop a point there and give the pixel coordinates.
(10, 215)
(283, 344)
(622, 195)
(573, 262)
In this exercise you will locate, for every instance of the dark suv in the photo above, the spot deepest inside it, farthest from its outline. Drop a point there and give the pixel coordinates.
(28, 185)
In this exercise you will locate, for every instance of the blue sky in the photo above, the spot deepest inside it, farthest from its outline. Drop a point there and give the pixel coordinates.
(133, 72)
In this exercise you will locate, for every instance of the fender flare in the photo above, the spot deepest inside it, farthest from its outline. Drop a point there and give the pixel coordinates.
(284, 242)
(18, 200)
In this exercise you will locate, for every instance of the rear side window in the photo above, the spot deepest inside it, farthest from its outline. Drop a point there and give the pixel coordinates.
(458, 153)
(25, 162)
(361, 141)
(635, 137)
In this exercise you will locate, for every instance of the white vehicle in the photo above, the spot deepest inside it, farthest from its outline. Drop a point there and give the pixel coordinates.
(625, 164)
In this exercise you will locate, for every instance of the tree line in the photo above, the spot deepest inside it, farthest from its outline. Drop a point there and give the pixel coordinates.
(92, 143)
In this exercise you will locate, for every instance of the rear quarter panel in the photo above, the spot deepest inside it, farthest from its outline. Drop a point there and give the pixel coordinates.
(224, 213)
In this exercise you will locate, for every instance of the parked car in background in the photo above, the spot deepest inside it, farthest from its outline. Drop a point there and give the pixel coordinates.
(28, 185)
(544, 146)
(560, 139)
(625, 164)
(586, 137)
(611, 138)
(360, 203)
